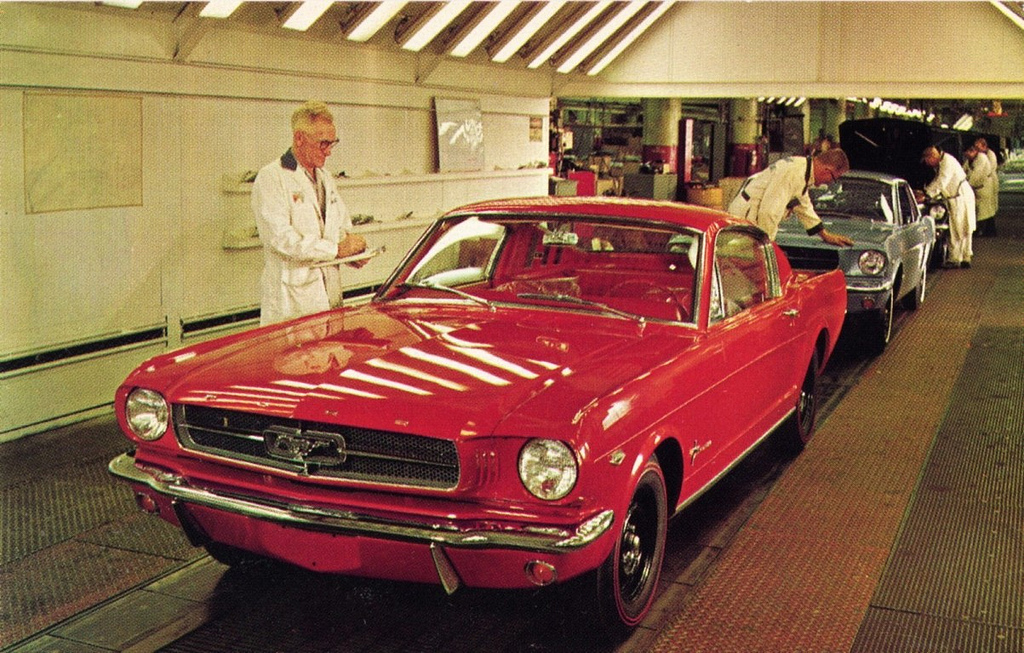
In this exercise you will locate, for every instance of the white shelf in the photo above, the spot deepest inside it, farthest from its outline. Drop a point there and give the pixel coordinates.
(231, 184)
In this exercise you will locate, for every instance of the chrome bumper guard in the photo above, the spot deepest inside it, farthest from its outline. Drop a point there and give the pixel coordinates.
(540, 540)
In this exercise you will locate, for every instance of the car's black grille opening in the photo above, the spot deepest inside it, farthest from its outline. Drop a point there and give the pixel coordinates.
(812, 258)
(355, 453)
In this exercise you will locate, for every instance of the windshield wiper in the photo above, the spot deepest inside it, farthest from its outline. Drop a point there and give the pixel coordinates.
(569, 299)
(454, 291)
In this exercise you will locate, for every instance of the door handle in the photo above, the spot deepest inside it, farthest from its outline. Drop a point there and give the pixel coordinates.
(793, 312)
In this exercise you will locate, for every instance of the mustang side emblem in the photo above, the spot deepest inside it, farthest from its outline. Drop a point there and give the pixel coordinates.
(305, 447)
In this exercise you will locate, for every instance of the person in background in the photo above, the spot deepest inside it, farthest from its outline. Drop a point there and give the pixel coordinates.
(982, 145)
(950, 184)
(767, 197)
(979, 175)
(302, 221)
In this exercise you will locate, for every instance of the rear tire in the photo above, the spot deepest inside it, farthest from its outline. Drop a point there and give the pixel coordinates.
(799, 428)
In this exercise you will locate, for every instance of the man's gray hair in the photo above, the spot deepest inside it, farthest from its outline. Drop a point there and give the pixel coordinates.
(309, 113)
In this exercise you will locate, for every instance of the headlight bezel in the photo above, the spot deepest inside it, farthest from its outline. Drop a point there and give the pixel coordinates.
(872, 262)
(548, 469)
(147, 414)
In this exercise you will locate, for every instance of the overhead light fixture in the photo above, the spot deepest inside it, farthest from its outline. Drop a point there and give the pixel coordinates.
(220, 8)
(436, 20)
(518, 36)
(582, 20)
(487, 23)
(124, 4)
(1009, 13)
(601, 34)
(307, 14)
(965, 122)
(378, 17)
(629, 37)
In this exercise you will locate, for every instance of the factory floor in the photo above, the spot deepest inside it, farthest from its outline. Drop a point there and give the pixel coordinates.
(900, 528)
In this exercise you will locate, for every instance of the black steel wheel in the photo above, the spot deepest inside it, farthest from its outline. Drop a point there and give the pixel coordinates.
(628, 578)
(797, 431)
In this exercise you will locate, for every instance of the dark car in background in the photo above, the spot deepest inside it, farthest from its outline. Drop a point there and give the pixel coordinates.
(888, 263)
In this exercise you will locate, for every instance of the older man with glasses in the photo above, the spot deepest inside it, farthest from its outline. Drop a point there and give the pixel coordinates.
(302, 222)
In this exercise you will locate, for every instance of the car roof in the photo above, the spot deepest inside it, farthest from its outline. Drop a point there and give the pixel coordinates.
(869, 174)
(678, 213)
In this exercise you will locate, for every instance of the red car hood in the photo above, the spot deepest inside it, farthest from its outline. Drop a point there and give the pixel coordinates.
(443, 371)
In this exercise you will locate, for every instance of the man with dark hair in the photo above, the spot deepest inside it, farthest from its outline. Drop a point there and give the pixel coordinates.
(767, 197)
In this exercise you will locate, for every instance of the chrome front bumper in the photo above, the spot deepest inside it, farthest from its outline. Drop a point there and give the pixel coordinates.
(526, 538)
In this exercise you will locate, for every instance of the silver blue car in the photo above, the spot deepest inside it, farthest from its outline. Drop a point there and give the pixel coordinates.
(888, 264)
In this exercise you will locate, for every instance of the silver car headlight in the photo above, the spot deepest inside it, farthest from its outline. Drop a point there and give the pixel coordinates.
(547, 469)
(871, 262)
(147, 413)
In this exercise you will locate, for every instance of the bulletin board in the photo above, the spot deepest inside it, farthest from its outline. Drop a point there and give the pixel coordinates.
(460, 135)
(81, 151)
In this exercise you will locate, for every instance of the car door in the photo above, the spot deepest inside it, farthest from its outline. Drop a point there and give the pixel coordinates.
(919, 235)
(757, 328)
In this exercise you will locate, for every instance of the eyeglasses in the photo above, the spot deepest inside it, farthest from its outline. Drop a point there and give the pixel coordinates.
(326, 145)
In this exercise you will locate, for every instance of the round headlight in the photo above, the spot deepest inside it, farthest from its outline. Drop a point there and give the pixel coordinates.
(147, 413)
(547, 469)
(871, 262)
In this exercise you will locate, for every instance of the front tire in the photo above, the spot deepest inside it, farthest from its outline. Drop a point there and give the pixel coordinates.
(628, 578)
(880, 328)
(914, 300)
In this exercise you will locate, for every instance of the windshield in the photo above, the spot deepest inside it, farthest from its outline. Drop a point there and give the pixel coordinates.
(863, 199)
(617, 268)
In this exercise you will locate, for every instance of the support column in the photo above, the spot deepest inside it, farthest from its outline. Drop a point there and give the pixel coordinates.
(747, 156)
(661, 131)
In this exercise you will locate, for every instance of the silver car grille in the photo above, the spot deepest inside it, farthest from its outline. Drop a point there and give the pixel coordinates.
(319, 449)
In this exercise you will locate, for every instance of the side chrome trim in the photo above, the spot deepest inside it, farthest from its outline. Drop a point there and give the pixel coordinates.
(343, 521)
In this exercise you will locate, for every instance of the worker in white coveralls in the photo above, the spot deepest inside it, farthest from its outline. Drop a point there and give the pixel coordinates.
(981, 178)
(988, 228)
(950, 184)
(302, 221)
(767, 197)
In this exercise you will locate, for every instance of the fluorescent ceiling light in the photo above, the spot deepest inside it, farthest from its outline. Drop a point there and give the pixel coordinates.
(498, 12)
(630, 36)
(544, 12)
(307, 14)
(443, 13)
(627, 11)
(1009, 13)
(124, 4)
(220, 8)
(375, 19)
(574, 29)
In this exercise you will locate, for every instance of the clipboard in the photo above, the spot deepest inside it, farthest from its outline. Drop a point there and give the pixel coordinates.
(368, 254)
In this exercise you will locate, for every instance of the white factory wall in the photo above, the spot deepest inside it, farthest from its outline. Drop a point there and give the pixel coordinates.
(819, 50)
(73, 277)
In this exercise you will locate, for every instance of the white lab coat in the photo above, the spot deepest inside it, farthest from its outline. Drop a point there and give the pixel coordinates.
(994, 160)
(951, 182)
(768, 196)
(284, 201)
(980, 177)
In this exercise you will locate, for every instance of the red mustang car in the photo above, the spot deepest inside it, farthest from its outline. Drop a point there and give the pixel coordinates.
(537, 388)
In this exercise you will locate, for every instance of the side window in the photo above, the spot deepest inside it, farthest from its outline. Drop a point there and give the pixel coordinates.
(743, 273)
(908, 204)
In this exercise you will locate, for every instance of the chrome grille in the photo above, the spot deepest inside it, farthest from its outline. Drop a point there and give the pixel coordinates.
(369, 455)
(812, 258)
